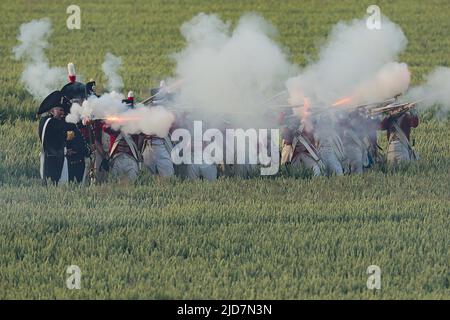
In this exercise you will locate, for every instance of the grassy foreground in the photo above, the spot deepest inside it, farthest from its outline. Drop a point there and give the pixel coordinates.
(262, 238)
(248, 239)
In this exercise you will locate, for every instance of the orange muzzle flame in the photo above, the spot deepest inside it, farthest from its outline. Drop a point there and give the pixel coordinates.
(120, 119)
(342, 102)
(306, 108)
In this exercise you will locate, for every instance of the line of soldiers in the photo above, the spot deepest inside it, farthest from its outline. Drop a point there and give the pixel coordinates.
(345, 142)
(91, 151)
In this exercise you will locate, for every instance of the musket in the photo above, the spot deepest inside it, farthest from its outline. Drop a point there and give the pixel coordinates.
(398, 108)
(285, 106)
(146, 101)
(165, 90)
(368, 106)
(322, 109)
(276, 96)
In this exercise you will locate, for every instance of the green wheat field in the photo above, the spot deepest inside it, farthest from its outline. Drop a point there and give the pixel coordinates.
(265, 238)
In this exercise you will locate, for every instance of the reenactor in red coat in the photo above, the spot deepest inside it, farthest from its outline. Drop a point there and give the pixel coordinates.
(398, 127)
(124, 155)
(299, 147)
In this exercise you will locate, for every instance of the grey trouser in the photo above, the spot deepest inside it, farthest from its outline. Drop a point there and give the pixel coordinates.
(100, 175)
(124, 166)
(307, 161)
(244, 171)
(354, 158)
(205, 171)
(332, 164)
(397, 152)
(157, 159)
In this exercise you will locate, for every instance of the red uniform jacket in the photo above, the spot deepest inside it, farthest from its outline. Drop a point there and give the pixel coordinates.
(288, 137)
(407, 121)
(122, 146)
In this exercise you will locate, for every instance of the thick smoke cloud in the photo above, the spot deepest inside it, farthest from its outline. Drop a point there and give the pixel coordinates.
(227, 70)
(38, 77)
(109, 106)
(435, 91)
(355, 62)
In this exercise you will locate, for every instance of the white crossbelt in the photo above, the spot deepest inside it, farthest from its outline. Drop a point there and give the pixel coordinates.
(129, 141)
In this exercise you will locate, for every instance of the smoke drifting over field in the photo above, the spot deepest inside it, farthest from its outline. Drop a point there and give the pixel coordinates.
(227, 70)
(355, 62)
(236, 70)
(435, 91)
(111, 67)
(110, 107)
(38, 77)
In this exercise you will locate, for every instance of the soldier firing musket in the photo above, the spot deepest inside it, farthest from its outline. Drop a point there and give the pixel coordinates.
(100, 163)
(355, 143)
(156, 151)
(299, 144)
(401, 117)
(124, 154)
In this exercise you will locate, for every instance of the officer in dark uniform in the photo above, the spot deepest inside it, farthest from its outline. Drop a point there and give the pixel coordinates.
(52, 133)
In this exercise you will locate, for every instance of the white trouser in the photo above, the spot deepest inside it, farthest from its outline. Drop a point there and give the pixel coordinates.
(157, 160)
(124, 166)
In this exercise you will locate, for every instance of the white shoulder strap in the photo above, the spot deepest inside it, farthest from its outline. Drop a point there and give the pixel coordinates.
(168, 144)
(116, 142)
(308, 147)
(130, 143)
(338, 146)
(43, 132)
(132, 146)
(42, 153)
(401, 134)
(356, 139)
